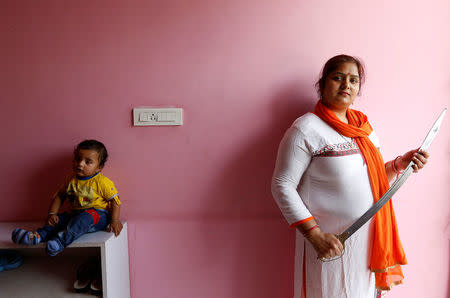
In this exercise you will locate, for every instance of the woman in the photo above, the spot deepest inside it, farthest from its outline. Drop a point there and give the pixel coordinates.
(328, 173)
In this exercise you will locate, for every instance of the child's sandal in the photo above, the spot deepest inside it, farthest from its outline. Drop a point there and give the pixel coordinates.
(81, 286)
(86, 272)
(9, 259)
(22, 236)
(96, 287)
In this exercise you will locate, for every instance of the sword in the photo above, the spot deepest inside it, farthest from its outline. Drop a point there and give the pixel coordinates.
(392, 190)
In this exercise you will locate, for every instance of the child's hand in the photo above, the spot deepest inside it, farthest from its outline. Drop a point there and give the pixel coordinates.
(115, 227)
(52, 220)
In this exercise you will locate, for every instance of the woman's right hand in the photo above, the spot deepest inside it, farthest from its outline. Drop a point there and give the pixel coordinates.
(326, 245)
(52, 220)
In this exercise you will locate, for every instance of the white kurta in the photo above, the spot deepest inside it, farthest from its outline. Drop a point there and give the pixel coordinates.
(321, 173)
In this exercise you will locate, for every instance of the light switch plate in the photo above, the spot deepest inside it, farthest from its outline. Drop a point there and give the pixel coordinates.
(145, 116)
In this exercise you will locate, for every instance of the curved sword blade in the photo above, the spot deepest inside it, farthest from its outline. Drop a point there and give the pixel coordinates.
(395, 186)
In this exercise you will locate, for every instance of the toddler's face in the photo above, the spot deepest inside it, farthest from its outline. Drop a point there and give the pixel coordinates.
(86, 163)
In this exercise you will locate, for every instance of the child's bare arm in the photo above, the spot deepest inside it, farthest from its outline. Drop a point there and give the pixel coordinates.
(115, 225)
(52, 218)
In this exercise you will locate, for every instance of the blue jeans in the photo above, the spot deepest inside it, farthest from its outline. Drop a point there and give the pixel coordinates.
(71, 226)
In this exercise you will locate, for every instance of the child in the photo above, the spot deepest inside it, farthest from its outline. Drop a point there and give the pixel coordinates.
(93, 198)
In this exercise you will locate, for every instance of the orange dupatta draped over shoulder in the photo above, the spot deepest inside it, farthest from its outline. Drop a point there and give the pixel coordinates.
(387, 251)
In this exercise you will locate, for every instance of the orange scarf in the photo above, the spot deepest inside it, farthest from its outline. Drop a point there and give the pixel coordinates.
(387, 251)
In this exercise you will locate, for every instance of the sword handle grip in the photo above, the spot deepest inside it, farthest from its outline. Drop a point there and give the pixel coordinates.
(341, 237)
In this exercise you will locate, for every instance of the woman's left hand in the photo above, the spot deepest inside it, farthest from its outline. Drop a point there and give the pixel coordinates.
(419, 158)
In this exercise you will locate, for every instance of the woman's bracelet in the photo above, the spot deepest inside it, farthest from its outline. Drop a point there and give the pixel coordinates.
(115, 220)
(52, 213)
(309, 230)
(394, 167)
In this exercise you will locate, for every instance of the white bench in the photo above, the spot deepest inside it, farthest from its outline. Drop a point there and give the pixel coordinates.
(44, 276)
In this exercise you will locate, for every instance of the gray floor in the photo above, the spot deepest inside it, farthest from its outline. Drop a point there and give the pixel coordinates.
(42, 276)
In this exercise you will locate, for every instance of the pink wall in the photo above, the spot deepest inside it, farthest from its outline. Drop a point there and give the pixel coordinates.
(197, 197)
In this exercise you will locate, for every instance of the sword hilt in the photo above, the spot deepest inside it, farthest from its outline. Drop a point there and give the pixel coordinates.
(341, 237)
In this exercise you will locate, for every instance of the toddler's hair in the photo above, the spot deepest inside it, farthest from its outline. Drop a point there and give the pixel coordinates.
(94, 145)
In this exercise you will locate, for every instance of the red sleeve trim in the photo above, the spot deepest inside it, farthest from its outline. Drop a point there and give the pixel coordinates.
(300, 222)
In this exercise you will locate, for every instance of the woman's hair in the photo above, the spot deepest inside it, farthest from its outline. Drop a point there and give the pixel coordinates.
(94, 145)
(334, 63)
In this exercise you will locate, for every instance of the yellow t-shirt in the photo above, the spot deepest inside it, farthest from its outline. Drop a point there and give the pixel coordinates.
(95, 192)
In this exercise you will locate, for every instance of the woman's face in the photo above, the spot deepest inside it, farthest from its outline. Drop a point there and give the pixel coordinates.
(341, 87)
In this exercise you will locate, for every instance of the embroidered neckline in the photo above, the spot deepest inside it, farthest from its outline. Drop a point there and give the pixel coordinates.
(340, 149)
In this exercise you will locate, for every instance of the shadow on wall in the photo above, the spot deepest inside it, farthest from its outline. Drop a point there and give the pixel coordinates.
(41, 184)
(265, 256)
(245, 181)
